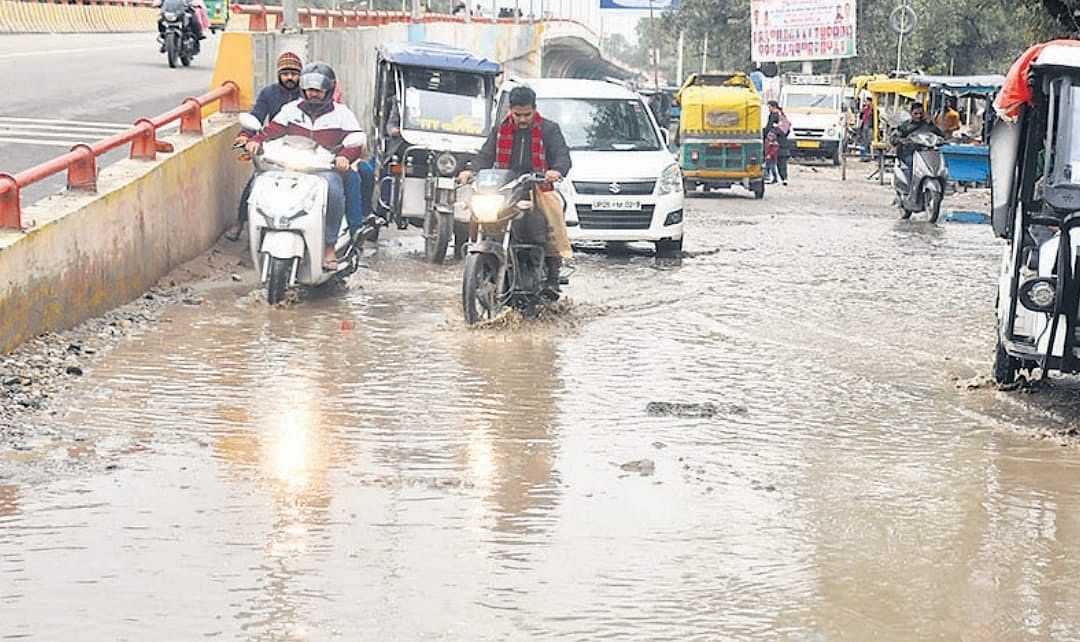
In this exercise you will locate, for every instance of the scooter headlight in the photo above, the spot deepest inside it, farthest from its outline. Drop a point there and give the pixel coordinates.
(446, 163)
(1039, 295)
(486, 207)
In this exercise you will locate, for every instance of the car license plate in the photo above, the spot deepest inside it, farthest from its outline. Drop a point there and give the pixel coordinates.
(445, 182)
(616, 204)
(808, 144)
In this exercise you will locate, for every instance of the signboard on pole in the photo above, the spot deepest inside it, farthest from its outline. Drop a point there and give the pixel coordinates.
(793, 30)
(640, 5)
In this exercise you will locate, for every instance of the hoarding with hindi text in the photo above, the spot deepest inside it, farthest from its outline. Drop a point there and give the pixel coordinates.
(793, 30)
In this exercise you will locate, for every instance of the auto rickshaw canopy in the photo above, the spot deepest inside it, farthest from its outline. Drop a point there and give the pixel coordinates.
(437, 56)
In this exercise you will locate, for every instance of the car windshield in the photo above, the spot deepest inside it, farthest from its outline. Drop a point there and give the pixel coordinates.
(445, 101)
(811, 101)
(599, 124)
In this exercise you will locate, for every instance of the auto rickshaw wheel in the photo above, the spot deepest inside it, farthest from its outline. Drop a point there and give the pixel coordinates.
(758, 187)
(1006, 367)
(438, 228)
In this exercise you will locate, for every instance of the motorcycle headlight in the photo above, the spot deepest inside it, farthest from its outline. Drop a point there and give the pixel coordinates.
(670, 180)
(446, 163)
(170, 16)
(486, 207)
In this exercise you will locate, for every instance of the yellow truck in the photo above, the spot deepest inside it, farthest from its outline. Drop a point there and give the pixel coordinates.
(720, 142)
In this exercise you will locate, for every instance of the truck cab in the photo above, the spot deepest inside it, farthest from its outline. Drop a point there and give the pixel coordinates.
(815, 106)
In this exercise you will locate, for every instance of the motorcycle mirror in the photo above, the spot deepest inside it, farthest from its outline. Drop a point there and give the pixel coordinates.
(249, 122)
(355, 139)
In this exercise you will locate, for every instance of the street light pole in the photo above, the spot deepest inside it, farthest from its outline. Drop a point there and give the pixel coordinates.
(656, 49)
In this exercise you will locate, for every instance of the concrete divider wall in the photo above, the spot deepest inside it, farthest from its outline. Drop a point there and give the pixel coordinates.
(88, 253)
(17, 16)
(351, 52)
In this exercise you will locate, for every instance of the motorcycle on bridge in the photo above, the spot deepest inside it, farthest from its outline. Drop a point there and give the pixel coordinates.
(432, 112)
(177, 38)
(287, 211)
(504, 264)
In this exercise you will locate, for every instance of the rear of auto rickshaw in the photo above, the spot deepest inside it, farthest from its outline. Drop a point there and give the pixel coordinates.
(720, 141)
(1035, 205)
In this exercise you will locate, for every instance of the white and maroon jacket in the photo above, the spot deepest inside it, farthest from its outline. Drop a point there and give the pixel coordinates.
(328, 129)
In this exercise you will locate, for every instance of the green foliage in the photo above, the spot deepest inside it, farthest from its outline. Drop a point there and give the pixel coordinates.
(953, 36)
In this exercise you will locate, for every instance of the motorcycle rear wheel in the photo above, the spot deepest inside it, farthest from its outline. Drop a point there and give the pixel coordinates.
(481, 297)
(172, 48)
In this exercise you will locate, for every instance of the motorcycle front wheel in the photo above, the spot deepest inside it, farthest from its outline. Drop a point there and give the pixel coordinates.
(480, 288)
(438, 228)
(172, 48)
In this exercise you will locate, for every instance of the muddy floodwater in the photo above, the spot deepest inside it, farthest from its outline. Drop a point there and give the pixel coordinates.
(788, 435)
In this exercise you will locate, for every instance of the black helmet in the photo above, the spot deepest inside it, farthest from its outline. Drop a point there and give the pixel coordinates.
(318, 75)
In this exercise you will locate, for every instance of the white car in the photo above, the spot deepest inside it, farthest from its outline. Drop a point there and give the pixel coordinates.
(625, 185)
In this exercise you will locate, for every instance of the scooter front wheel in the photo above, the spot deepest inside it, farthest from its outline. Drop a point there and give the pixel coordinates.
(480, 288)
(932, 201)
(277, 283)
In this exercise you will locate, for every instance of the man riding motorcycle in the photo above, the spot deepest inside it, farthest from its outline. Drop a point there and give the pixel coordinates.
(318, 117)
(525, 143)
(919, 123)
(194, 23)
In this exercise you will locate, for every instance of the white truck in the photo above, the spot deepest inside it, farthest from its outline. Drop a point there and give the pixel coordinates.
(814, 103)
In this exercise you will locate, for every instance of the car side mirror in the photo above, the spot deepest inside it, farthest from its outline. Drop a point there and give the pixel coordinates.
(355, 139)
(250, 123)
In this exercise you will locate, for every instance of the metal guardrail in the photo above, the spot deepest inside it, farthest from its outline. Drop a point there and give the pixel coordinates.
(81, 162)
(312, 18)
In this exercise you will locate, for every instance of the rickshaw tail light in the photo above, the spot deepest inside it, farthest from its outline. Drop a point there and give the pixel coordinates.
(395, 168)
(694, 156)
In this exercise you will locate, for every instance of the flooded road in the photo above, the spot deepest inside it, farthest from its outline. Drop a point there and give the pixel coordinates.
(771, 440)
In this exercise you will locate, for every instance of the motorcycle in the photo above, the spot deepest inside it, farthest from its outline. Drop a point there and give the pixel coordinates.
(287, 211)
(177, 38)
(504, 264)
(925, 188)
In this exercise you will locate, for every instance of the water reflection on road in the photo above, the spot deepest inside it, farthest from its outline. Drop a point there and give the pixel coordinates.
(265, 474)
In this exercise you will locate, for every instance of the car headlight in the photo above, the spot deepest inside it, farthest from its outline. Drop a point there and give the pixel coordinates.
(486, 207)
(670, 180)
(446, 163)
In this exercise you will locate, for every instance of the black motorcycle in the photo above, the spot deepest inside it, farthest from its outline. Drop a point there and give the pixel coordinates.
(504, 265)
(177, 37)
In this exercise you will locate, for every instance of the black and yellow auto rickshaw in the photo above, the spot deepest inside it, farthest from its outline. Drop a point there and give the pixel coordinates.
(432, 112)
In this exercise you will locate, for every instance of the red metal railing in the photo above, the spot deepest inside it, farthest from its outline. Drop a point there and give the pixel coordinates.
(311, 18)
(81, 161)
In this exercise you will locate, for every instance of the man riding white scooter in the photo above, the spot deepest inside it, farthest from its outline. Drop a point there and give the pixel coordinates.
(318, 117)
(918, 123)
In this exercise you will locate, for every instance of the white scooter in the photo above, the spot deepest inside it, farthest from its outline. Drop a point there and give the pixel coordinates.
(928, 176)
(287, 211)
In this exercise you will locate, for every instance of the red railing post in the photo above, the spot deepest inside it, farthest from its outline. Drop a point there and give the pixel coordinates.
(257, 19)
(230, 102)
(10, 216)
(191, 121)
(144, 144)
(82, 174)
